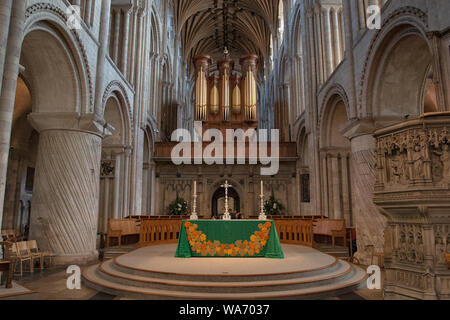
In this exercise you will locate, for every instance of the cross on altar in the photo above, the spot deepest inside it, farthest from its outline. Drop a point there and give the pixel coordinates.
(226, 214)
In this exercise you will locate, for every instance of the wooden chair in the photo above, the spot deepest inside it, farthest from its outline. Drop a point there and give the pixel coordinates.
(35, 251)
(21, 255)
(22, 247)
(6, 265)
(447, 260)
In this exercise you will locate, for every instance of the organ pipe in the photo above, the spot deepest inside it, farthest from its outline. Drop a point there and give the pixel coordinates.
(236, 100)
(201, 87)
(214, 96)
(249, 63)
(227, 93)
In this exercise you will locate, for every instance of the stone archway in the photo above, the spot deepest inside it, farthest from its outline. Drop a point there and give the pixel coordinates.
(219, 194)
(215, 186)
(64, 215)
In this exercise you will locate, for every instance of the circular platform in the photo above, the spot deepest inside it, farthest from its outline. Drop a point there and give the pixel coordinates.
(154, 273)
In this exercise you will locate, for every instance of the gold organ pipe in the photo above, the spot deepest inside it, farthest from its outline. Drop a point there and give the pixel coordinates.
(214, 99)
(226, 95)
(236, 99)
(204, 95)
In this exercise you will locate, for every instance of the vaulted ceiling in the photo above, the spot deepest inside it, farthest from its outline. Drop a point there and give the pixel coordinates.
(243, 26)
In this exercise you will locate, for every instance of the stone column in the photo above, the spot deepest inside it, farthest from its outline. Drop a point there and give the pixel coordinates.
(106, 200)
(8, 93)
(126, 31)
(102, 52)
(298, 193)
(125, 175)
(369, 223)
(117, 184)
(330, 190)
(117, 13)
(329, 66)
(5, 17)
(64, 216)
(152, 195)
(337, 41)
(157, 201)
(320, 50)
(336, 178)
(349, 56)
(324, 188)
(135, 173)
(346, 194)
(88, 11)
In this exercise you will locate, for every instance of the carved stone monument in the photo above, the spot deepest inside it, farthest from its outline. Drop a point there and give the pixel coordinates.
(413, 191)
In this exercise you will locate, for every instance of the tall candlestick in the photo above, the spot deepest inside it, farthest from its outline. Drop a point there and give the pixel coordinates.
(194, 203)
(262, 215)
(226, 215)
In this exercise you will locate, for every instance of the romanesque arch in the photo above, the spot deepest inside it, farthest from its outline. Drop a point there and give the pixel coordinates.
(335, 157)
(400, 83)
(115, 162)
(64, 213)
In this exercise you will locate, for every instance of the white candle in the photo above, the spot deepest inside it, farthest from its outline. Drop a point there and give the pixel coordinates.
(195, 187)
(262, 187)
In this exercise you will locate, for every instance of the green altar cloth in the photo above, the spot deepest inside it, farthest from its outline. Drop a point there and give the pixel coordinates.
(229, 238)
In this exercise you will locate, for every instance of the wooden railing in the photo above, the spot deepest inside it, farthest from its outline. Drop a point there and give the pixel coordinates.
(159, 231)
(295, 231)
(154, 232)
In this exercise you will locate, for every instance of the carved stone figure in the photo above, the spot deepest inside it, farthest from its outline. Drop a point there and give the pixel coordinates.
(418, 160)
(396, 173)
(445, 159)
(411, 250)
(440, 249)
(419, 248)
(402, 247)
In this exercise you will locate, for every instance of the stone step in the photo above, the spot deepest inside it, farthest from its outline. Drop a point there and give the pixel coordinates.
(108, 272)
(344, 284)
(116, 265)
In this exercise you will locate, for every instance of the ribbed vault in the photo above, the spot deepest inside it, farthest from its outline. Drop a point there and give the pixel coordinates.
(243, 26)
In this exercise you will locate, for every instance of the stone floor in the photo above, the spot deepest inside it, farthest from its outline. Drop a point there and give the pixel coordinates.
(50, 284)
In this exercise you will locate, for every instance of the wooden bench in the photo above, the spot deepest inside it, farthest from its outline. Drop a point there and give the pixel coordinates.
(6, 265)
(334, 228)
(118, 228)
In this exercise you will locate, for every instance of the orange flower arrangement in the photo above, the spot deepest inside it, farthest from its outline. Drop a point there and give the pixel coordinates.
(201, 245)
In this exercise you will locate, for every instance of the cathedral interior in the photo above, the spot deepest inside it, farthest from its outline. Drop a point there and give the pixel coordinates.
(92, 92)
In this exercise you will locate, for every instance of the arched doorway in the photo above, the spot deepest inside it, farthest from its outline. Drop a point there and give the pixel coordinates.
(218, 202)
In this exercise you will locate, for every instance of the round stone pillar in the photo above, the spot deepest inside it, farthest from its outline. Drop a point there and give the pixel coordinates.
(65, 202)
(370, 223)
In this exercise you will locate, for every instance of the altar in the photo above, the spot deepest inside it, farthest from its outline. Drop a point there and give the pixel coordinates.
(229, 238)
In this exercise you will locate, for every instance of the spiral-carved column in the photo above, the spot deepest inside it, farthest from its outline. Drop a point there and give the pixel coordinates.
(370, 223)
(66, 192)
